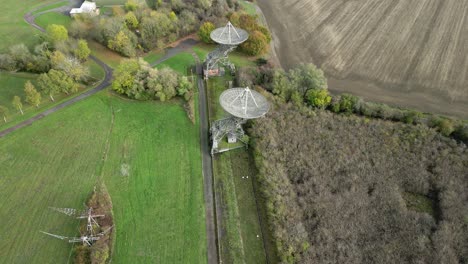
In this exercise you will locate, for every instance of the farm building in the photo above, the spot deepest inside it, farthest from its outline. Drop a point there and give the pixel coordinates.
(86, 8)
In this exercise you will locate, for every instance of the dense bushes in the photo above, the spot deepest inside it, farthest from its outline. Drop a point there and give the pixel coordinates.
(337, 189)
(307, 84)
(139, 28)
(259, 36)
(59, 60)
(137, 80)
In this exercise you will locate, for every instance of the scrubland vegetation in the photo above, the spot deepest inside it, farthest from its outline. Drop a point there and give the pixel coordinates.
(348, 189)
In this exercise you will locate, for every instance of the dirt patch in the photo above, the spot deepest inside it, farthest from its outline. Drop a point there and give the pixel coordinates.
(400, 52)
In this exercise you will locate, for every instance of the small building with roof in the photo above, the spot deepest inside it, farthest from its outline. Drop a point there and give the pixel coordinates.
(87, 7)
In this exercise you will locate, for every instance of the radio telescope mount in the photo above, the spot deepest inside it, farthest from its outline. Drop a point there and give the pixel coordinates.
(228, 38)
(229, 35)
(242, 104)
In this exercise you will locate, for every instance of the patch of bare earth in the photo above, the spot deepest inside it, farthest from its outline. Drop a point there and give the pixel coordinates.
(402, 52)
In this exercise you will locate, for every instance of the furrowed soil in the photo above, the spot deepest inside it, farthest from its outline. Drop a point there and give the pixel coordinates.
(405, 53)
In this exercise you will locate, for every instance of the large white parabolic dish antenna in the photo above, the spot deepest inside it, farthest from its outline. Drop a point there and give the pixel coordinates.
(229, 35)
(244, 103)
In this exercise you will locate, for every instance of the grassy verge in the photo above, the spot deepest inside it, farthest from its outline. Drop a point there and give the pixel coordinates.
(53, 18)
(180, 63)
(153, 56)
(148, 155)
(106, 55)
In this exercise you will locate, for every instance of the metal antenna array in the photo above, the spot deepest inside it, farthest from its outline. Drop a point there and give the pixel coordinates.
(228, 38)
(242, 104)
(88, 237)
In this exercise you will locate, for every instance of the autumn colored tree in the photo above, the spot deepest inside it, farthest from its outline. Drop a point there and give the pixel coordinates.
(82, 52)
(4, 112)
(122, 44)
(257, 44)
(319, 98)
(205, 31)
(56, 33)
(33, 97)
(131, 20)
(18, 104)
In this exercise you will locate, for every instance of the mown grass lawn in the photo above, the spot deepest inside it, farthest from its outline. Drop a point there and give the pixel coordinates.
(180, 63)
(153, 56)
(53, 18)
(51, 6)
(13, 28)
(148, 155)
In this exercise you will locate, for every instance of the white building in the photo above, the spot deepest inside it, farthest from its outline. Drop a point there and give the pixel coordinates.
(86, 8)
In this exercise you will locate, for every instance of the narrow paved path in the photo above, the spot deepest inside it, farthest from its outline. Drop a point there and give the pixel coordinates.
(207, 166)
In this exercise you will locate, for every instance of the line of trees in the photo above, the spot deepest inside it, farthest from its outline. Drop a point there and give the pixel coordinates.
(305, 86)
(59, 60)
(138, 29)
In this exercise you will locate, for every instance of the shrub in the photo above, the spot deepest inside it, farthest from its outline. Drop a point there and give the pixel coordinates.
(130, 5)
(7, 63)
(205, 31)
(445, 126)
(412, 117)
(319, 98)
(348, 103)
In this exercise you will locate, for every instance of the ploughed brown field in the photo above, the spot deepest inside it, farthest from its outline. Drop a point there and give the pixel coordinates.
(402, 52)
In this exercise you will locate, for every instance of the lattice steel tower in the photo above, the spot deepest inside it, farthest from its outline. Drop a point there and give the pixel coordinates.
(242, 104)
(228, 38)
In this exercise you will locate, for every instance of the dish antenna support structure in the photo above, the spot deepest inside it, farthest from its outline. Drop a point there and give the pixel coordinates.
(228, 38)
(242, 104)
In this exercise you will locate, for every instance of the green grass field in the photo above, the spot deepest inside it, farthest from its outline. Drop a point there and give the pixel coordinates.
(180, 63)
(53, 18)
(148, 155)
(12, 84)
(51, 6)
(153, 56)
(13, 28)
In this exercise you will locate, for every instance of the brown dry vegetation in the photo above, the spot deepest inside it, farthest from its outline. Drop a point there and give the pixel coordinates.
(347, 189)
(411, 53)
